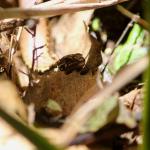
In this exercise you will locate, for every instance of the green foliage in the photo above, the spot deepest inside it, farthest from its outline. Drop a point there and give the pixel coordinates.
(134, 48)
(106, 113)
(96, 24)
(110, 111)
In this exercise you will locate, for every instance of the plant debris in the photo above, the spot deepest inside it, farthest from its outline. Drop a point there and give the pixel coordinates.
(72, 81)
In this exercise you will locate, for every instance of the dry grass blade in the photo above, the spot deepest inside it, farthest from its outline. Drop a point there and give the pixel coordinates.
(77, 119)
(54, 10)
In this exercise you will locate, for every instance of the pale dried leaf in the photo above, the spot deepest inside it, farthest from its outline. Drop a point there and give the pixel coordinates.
(20, 72)
(126, 117)
(70, 34)
(10, 100)
(43, 59)
(4, 42)
(10, 139)
(133, 100)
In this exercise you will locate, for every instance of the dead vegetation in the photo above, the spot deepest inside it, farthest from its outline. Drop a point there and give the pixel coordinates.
(67, 78)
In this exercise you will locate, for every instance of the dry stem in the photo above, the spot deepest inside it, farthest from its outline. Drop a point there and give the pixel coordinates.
(132, 16)
(53, 10)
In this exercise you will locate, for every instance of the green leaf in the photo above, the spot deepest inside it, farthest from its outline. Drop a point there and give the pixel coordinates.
(96, 24)
(133, 34)
(133, 49)
(106, 113)
(38, 140)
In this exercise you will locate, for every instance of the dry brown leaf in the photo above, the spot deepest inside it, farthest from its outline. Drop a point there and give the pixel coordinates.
(133, 100)
(66, 90)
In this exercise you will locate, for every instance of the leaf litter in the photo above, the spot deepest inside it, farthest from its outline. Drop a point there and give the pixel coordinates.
(66, 100)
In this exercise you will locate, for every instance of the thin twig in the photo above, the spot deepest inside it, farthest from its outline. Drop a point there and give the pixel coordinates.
(27, 74)
(14, 44)
(34, 51)
(131, 15)
(129, 25)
